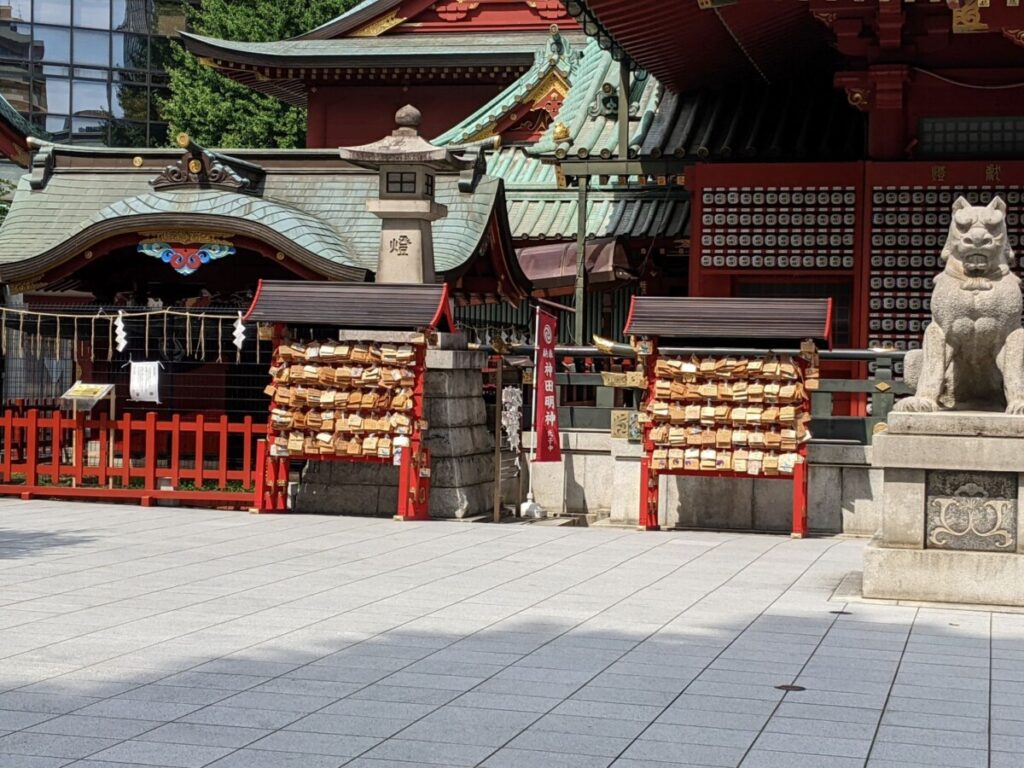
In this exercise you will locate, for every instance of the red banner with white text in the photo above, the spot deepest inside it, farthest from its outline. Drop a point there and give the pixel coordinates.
(546, 420)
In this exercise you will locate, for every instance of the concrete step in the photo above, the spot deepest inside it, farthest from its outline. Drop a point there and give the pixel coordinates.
(554, 522)
(587, 519)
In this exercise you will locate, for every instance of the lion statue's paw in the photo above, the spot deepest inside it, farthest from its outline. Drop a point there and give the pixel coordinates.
(917, 405)
(1015, 407)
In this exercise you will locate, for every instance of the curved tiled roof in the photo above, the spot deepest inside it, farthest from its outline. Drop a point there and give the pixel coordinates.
(555, 56)
(610, 213)
(804, 117)
(301, 228)
(320, 218)
(453, 48)
(354, 17)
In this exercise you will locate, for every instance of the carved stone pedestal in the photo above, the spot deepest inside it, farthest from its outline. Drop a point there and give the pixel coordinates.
(951, 509)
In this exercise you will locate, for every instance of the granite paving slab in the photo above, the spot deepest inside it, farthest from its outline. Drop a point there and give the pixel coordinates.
(181, 638)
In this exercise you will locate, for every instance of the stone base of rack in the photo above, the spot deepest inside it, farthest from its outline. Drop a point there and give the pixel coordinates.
(461, 445)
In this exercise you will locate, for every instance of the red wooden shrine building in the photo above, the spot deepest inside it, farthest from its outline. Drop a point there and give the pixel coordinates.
(819, 142)
(938, 87)
(759, 148)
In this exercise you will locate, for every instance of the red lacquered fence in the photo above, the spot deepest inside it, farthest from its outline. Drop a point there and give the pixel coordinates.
(199, 460)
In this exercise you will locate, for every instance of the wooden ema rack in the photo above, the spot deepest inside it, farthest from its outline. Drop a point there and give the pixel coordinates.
(760, 404)
(395, 323)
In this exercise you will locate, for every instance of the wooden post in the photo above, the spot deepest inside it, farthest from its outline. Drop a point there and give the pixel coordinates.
(150, 482)
(56, 445)
(8, 457)
(247, 451)
(222, 452)
(126, 451)
(75, 445)
(800, 497)
(649, 481)
(112, 432)
(648, 496)
(31, 451)
(200, 427)
(259, 500)
(497, 438)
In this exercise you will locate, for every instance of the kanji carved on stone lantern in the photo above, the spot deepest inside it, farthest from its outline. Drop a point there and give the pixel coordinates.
(407, 165)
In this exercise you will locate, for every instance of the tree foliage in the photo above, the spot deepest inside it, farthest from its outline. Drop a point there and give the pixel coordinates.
(217, 111)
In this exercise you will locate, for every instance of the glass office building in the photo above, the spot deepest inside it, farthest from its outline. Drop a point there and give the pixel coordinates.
(89, 71)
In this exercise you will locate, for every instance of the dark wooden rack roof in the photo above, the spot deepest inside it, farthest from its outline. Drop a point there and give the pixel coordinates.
(730, 318)
(352, 305)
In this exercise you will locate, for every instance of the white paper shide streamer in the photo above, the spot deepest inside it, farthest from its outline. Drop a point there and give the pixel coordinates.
(239, 332)
(120, 335)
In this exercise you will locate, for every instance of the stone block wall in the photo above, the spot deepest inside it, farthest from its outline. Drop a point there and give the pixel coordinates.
(599, 474)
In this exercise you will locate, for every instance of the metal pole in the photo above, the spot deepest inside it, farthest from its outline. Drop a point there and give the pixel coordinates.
(624, 109)
(497, 439)
(581, 259)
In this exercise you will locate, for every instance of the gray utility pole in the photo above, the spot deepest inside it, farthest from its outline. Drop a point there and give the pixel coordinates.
(581, 261)
(581, 215)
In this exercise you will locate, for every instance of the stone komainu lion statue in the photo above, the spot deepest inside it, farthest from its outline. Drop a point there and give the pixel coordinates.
(973, 351)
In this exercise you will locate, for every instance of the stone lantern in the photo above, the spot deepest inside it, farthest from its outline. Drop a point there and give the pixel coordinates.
(407, 166)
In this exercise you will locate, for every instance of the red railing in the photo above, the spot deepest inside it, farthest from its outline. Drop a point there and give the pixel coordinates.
(199, 460)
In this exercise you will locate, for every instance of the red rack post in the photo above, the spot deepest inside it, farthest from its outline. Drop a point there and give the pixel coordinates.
(649, 484)
(414, 472)
(259, 495)
(649, 496)
(800, 496)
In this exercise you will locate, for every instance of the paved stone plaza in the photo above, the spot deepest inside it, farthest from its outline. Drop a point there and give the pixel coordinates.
(174, 637)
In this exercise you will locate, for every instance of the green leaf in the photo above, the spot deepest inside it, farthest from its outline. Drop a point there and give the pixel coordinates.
(218, 112)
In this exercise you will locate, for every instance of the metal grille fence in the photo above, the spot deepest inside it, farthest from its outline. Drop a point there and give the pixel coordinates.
(202, 371)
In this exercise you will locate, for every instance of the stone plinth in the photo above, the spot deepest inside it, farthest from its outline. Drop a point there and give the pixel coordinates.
(461, 446)
(951, 488)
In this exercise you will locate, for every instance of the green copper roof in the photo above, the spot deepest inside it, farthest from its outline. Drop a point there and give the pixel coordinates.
(537, 208)
(317, 216)
(552, 214)
(13, 118)
(591, 125)
(556, 55)
(591, 122)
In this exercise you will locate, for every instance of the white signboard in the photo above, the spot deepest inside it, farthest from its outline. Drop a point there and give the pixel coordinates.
(85, 396)
(145, 382)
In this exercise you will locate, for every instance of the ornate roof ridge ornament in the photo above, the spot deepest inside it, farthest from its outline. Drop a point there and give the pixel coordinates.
(205, 168)
(42, 166)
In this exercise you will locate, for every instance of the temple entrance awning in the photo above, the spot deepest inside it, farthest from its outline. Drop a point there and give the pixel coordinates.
(304, 210)
(553, 266)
